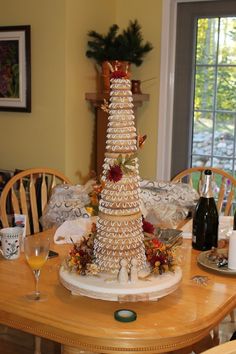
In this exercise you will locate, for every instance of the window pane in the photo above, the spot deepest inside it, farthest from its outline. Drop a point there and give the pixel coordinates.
(226, 88)
(224, 164)
(198, 160)
(202, 133)
(207, 37)
(215, 91)
(204, 88)
(224, 135)
(227, 46)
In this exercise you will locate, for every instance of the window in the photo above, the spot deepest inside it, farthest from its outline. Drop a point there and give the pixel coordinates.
(214, 99)
(204, 114)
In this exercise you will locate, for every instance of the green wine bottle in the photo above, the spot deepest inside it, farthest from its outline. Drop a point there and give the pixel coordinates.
(205, 218)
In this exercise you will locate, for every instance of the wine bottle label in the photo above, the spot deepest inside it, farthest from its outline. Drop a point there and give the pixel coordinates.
(194, 239)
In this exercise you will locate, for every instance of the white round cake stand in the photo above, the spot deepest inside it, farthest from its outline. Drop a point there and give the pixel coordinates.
(106, 287)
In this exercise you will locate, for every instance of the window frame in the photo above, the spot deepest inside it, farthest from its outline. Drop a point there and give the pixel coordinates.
(167, 82)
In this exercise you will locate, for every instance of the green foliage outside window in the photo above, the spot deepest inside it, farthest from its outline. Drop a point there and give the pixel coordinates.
(214, 108)
(215, 57)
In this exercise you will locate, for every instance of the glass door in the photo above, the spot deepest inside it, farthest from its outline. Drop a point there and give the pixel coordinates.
(204, 113)
(214, 96)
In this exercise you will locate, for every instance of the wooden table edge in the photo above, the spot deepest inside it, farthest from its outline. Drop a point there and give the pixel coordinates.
(131, 345)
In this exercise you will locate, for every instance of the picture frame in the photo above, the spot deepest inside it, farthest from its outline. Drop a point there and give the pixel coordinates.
(15, 69)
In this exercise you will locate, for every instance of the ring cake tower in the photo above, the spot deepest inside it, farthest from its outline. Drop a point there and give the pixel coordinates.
(119, 226)
(118, 248)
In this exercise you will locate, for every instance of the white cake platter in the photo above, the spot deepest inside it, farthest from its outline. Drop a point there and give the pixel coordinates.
(106, 287)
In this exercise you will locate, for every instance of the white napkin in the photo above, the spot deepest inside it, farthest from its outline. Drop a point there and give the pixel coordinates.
(73, 229)
(232, 250)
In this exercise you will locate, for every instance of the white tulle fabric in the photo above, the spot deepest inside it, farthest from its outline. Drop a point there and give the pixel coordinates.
(166, 203)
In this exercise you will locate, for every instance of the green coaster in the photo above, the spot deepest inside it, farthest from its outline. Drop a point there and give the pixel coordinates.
(125, 315)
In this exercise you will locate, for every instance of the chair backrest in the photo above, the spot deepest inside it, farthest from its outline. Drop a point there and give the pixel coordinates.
(28, 192)
(224, 182)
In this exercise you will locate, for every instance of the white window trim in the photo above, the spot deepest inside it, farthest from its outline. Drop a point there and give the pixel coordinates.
(166, 98)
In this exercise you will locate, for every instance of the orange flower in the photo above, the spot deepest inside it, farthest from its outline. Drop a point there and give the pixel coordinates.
(157, 243)
(94, 199)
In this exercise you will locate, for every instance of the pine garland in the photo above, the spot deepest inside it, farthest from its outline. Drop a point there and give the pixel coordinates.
(126, 46)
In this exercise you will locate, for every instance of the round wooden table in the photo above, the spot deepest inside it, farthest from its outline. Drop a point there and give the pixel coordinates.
(83, 324)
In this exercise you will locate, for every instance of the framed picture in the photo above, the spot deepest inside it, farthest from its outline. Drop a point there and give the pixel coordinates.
(15, 69)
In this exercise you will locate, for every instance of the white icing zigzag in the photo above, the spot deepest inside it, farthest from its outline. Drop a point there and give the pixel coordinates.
(120, 99)
(121, 130)
(121, 136)
(120, 118)
(119, 226)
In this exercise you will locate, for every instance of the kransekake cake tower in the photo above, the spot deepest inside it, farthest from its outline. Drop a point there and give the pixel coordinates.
(119, 226)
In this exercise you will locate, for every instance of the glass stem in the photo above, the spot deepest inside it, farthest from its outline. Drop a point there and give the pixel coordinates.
(36, 276)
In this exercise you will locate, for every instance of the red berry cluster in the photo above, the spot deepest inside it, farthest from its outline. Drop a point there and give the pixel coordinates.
(118, 74)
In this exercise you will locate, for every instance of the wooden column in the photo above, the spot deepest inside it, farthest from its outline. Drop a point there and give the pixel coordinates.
(97, 99)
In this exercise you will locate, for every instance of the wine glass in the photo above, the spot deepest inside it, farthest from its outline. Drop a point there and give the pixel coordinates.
(36, 250)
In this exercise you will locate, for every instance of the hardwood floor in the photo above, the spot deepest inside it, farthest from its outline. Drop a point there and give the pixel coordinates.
(17, 342)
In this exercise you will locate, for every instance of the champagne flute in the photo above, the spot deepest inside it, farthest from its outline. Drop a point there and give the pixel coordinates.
(36, 250)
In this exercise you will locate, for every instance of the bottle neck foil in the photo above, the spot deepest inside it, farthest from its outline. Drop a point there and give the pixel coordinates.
(207, 187)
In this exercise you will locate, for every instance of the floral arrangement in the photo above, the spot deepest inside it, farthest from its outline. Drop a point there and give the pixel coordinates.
(94, 197)
(80, 259)
(121, 165)
(148, 228)
(159, 255)
(114, 173)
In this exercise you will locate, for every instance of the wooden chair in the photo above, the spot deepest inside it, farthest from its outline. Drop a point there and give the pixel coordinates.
(28, 193)
(225, 196)
(225, 183)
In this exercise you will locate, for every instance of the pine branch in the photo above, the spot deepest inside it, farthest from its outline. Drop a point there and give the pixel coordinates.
(127, 46)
